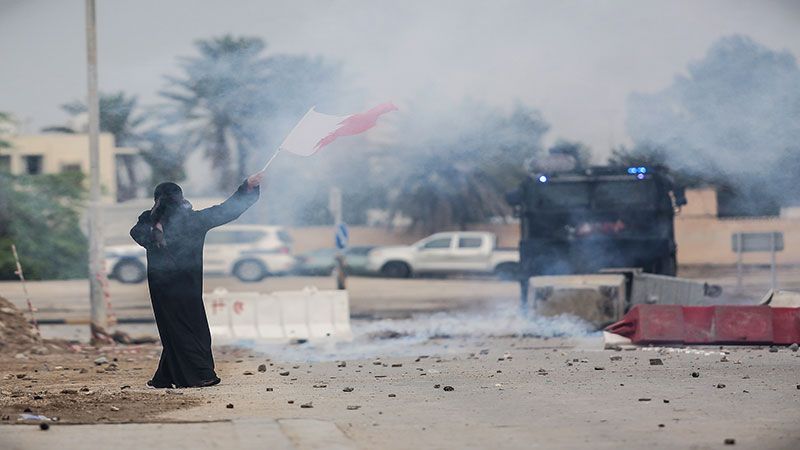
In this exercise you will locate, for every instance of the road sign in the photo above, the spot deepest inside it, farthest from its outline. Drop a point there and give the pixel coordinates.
(771, 242)
(342, 236)
(757, 242)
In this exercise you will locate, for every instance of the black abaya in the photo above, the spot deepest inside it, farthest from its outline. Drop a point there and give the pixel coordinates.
(175, 277)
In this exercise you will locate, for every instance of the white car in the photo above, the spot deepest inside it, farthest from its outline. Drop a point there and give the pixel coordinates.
(446, 253)
(248, 252)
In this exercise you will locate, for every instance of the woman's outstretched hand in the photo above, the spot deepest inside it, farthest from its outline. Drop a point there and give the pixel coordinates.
(255, 179)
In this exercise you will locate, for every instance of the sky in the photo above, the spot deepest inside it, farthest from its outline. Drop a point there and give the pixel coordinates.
(575, 61)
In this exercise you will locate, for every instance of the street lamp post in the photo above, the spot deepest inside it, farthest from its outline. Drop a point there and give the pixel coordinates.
(99, 320)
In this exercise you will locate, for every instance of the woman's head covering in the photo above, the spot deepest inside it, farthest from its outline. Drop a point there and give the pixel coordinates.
(168, 191)
(168, 199)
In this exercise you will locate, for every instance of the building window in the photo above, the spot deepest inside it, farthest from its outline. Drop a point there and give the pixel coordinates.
(70, 168)
(32, 164)
(5, 163)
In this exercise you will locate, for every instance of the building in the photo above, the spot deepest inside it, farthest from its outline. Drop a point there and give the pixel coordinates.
(53, 153)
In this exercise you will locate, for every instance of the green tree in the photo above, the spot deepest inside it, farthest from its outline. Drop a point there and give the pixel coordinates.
(40, 214)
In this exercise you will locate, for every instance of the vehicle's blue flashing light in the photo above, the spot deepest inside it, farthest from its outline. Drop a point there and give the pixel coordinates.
(542, 179)
(635, 170)
(640, 176)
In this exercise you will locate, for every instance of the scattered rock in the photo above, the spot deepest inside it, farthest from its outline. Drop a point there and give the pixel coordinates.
(695, 374)
(724, 358)
(269, 389)
(599, 368)
(320, 386)
(248, 372)
(656, 362)
(83, 370)
(291, 402)
(730, 441)
(437, 386)
(773, 349)
(448, 389)
(262, 368)
(114, 408)
(127, 386)
(307, 405)
(644, 399)
(794, 347)
(69, 391)
(352, 407)
(229, 406)
(101, 360)
(44, 426)
(666, 401)
(284, 373)
(720, 385)
(397, 365)
(347, 389)
(392, 395)
(661, 425)
(341, 364)
(616, 358)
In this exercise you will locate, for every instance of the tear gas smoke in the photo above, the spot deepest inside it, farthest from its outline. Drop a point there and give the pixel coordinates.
(436, 333)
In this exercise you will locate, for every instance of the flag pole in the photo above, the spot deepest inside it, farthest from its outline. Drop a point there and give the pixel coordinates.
(272, 158)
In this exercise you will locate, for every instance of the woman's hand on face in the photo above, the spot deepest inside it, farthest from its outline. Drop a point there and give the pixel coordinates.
(255, 179)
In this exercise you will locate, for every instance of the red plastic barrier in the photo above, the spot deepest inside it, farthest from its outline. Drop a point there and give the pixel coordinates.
(658, 324)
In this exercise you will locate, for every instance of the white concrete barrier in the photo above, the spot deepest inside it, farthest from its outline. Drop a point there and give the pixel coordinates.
(285, 315)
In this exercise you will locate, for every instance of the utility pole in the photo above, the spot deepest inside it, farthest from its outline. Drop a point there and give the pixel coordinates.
(340, 237)
(99, 320)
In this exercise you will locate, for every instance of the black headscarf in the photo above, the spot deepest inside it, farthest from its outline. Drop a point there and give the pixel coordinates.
(168, 199)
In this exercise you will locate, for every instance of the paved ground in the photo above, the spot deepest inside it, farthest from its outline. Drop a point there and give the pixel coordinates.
(507, 391)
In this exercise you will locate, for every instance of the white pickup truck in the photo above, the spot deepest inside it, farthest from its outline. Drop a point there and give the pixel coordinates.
(446, 253)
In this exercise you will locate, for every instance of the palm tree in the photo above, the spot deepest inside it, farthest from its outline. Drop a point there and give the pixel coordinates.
(118, 117)
(218, 99)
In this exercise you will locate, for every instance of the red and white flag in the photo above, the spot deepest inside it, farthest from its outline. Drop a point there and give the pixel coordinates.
(316, 130)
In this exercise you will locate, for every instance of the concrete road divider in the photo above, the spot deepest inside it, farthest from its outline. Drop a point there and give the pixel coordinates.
(704, 325)
(279, 316)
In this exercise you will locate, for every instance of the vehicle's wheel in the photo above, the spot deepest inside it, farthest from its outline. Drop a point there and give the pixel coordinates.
(250, 270)
(129, 271)
(396, 269)
(507, 271)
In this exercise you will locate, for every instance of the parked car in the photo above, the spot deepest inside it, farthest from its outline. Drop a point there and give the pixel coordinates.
(321, 261)
(248, 252)
(446, 253)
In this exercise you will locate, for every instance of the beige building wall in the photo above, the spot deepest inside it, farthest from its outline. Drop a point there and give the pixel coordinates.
(63, 152)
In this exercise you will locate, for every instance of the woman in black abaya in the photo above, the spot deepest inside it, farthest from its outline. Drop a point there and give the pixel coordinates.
(173, 234)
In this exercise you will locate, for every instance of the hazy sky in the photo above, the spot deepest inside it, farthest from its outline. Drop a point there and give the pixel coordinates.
(575, 61)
